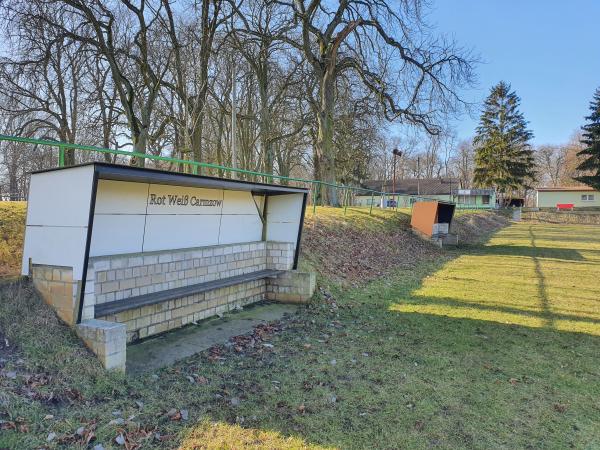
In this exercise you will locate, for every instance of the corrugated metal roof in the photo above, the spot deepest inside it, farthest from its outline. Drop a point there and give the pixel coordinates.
(567, 189)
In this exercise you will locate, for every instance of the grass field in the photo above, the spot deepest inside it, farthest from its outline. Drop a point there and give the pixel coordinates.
(489, 346)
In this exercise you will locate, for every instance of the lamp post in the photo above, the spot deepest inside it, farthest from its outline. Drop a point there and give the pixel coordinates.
(395, 153)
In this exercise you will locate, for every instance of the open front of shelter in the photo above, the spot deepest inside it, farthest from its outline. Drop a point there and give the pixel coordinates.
(123, 253)
(433, 220)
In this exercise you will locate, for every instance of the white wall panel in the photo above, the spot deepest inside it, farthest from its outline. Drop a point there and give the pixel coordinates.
(240, 228)
(117, 234)
(121, 197)
(283, 217)
(55, 246)
(170, 194)
(284, 208)
(165, 232)
(239, 202)
(283, 232)
(60, 197)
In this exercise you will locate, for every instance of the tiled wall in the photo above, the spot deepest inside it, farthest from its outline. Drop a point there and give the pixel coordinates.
(56, 286)
(119, 277)
(116, 278)
(154, 319)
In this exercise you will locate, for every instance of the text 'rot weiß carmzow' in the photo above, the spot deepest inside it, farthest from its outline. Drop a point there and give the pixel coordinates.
(181, 200)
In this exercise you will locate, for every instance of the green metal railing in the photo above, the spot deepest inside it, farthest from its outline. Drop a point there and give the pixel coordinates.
(197, 166)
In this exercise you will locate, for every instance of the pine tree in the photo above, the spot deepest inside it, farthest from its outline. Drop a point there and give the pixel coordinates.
(591, 139)
(504, 158)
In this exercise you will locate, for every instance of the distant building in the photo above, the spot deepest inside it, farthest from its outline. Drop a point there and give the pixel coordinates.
(578, 196)
(407, 191)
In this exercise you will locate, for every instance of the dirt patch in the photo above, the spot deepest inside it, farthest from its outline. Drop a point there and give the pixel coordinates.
(473, 228)
(352, 254)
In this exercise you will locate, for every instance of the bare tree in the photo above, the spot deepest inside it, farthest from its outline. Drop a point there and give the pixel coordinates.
(192, 42)
(127, 35)
(551, 164)
(412, 75)
(462, 163)
(42, 79)
(257, 34)
(557, 164)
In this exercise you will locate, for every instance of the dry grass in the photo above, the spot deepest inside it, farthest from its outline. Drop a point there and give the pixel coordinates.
(12, 228)
(357, 246)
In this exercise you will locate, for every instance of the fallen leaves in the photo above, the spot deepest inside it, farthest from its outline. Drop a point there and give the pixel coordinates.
(18, 425)
(175, 414)
(559, 407)
(353, 254)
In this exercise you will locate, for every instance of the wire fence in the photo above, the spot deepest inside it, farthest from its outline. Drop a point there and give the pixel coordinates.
(349, 196)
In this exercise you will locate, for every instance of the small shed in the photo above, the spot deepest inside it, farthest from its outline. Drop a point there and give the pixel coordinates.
(432, 219)
(123, 253)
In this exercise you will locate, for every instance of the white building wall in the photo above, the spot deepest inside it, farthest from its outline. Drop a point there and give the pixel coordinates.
(142, 217)
(57, 219)
(546, 199)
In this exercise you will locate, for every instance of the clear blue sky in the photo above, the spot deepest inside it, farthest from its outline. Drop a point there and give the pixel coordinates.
(548, 50)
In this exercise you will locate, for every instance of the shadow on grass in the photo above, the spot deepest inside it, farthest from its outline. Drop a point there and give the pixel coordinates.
(505, 302)
(353, 376)
(531, 252)
(415, 380)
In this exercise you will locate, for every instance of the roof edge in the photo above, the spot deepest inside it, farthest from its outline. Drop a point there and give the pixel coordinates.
(121, 172)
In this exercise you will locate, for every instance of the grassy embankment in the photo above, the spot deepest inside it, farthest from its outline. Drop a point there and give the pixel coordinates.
(488, 346)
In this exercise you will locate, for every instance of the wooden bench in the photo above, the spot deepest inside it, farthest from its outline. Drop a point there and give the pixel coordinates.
(565, 206)
(114, 307)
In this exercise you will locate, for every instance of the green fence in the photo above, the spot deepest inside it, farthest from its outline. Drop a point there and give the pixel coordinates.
(345, 193)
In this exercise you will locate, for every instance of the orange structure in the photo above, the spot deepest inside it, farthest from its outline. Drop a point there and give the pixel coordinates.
(432, 218)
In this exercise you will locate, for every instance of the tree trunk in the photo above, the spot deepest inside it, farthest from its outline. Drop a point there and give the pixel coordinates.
(140, 140)
(13, 186)
(262, 78)
(196, 141)
(325, 149)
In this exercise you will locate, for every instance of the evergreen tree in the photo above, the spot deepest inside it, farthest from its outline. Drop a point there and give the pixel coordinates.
(591, 139)
(504, 158)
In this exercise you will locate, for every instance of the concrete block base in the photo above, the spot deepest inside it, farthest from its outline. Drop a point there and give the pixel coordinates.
(107, 340)
(56, 286)
(292, 286)
(445, 240)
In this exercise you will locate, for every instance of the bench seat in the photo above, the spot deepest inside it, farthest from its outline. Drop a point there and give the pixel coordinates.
(105, 309)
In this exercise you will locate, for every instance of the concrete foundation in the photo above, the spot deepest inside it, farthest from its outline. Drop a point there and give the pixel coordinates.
(56, 286)
(107, 340)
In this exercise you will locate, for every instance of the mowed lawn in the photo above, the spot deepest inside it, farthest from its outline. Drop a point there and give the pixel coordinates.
(541, 276)
(491, 346)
